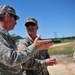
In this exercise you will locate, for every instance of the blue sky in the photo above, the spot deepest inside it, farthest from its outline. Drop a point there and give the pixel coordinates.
(56, 18)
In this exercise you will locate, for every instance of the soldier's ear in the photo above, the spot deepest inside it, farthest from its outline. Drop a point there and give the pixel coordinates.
(37, 27)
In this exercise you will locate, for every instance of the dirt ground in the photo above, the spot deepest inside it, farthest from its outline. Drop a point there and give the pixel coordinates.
(66, 66)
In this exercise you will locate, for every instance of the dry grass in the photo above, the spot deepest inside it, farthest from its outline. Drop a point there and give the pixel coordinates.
(61, 49)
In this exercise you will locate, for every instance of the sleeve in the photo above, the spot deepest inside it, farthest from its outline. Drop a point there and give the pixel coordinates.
(41, 57)
(42, 62)
(12, 57)
(23, 43)
(34, 62)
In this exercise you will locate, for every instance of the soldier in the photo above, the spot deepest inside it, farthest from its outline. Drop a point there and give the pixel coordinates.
(74, 51)
(37, 65)
(10, 57)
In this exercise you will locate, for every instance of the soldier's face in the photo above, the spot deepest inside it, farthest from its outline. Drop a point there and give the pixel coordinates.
(9, 21)
(31, 29)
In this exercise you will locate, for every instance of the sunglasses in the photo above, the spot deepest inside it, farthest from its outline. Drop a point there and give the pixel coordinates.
(30, 24)
(12, 15)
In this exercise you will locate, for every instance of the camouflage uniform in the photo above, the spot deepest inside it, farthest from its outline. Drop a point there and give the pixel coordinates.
(37, 64)
(10, 57)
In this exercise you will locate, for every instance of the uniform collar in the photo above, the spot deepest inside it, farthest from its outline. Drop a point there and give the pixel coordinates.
(30, 37)
(3, 30)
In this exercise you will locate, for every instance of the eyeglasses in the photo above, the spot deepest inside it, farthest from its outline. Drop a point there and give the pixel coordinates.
(12, 15)
(30, 24)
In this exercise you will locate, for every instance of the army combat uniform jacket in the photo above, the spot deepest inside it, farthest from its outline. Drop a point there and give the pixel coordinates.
(10, 57)
(37, 64)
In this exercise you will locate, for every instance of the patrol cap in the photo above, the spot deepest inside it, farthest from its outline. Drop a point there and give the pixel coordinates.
(8, 9)
(30, 19)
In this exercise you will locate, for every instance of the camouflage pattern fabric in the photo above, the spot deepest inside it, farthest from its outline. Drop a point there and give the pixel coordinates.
(37, 64)
(74, 53)
(10, 57)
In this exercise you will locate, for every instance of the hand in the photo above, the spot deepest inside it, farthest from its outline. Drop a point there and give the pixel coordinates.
(51, 61)
(42, 44)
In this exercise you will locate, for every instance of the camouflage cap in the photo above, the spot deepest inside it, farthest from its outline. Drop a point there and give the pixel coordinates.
(8, 9)
(30, 19)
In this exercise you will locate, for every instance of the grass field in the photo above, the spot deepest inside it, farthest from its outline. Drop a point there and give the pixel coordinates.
(63, 49)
